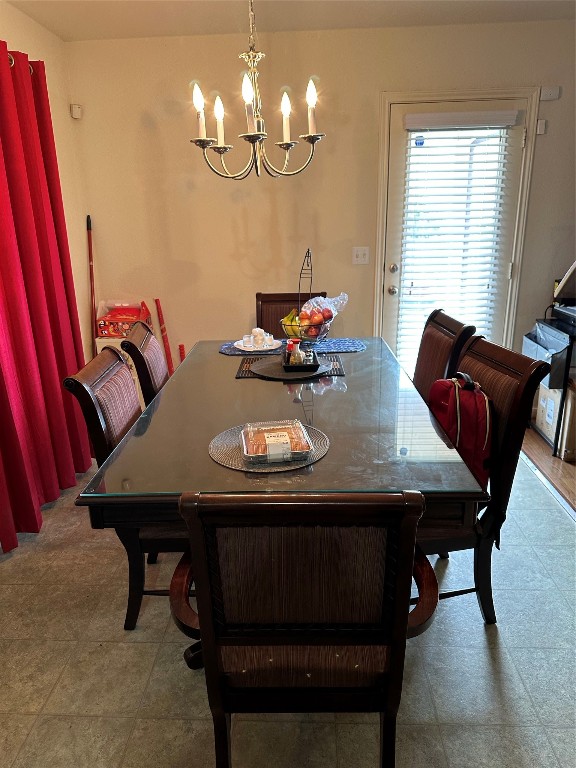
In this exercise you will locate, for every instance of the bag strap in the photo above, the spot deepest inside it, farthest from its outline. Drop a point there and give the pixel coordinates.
(470, 384)
(457, 395)
(488, 417)
(466, 378)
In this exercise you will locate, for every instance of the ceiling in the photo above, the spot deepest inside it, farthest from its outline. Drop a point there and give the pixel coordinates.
(76, 20)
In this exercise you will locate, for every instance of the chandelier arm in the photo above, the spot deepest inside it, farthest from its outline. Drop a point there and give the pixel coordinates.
(273, 171)
(286, 160)
(227, 175)
(241, 174)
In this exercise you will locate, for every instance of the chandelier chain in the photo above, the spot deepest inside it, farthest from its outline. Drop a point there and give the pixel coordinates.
(252, 18)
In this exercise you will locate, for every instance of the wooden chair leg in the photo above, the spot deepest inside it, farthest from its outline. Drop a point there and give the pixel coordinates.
(222, 743)
(136, 573)
(483, 578)
(387, 741)
(193, 656)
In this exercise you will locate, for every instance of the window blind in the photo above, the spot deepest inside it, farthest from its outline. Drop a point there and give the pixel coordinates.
(497, 118)
(458, 227)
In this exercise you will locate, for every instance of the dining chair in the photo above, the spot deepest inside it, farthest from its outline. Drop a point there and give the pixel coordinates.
(272, 307)
(442, 341)
(303, 603)
(510, 380)
(148, 359)
(108, 398)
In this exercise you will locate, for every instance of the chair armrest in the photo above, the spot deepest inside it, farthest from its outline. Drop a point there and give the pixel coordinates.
(419, 619)
(422, 615)
(185, 617)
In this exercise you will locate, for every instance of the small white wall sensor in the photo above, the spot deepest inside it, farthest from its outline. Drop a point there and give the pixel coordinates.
(549, 92)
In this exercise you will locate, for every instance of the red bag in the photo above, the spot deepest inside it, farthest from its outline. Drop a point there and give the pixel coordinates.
(464, 412)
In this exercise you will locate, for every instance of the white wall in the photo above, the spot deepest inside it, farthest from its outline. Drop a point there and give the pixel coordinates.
(166, 227)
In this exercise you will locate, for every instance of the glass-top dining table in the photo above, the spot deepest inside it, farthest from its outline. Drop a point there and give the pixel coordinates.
(381, 438)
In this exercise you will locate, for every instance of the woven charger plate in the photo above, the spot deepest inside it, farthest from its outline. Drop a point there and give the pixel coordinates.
(226, 449)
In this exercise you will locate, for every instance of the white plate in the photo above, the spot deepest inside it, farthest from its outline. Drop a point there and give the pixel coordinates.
(240, 345)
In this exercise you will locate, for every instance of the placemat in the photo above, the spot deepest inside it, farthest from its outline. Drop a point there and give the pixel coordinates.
(328, 345)
(339, 345)
(225, 449)
(337, 368)
(228, 348)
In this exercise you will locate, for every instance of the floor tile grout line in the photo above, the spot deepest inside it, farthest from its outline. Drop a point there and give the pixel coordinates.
(334, 725)
(30, 730)
(548, 485)
(148, 679)
(41, 713)
(134, 720)
(427, 672)
(519, 673)
(73, 644)
(551, 744)
(546, 568)
(500, 674)
(437, 722)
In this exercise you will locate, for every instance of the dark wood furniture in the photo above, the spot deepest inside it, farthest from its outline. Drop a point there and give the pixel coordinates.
(442, 341)
(109, 401)
(510, 380)
(381, 441)
(272, 307)
(148, 358)
(108, 398)
(187, 620)
(303, 603)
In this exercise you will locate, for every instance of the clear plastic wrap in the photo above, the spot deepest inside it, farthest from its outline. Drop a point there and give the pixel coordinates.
(320, 304)
(274, 441)
(313, 321)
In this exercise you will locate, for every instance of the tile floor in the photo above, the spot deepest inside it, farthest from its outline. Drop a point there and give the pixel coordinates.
(76, 690)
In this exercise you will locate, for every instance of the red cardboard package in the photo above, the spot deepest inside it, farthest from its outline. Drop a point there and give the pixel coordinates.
(118, 319)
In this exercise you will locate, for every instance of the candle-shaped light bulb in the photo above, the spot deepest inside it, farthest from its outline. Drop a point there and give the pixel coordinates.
(285, 108)
(311, 98)
(248, 96)
(247, 90)
(198, 101)
(219, 115)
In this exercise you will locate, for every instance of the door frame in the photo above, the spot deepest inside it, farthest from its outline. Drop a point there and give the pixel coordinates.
(387, 99)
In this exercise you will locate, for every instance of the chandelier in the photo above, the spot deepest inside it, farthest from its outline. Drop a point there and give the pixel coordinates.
(256, 134)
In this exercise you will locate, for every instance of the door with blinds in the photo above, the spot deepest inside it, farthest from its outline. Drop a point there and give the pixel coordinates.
(456, 176)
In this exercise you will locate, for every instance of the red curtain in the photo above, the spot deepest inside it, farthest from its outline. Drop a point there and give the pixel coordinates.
(43, 440)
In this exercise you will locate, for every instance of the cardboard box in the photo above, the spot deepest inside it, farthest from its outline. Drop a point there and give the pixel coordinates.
(115, 318)
(547, 419)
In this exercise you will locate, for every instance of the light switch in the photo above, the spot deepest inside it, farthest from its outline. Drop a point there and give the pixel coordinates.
(361, 255)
